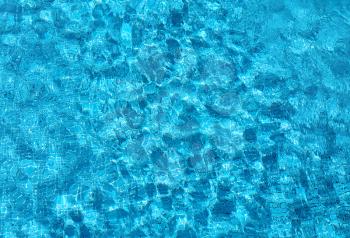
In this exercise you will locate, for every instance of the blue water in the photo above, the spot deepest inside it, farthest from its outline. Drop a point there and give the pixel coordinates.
(174, 118)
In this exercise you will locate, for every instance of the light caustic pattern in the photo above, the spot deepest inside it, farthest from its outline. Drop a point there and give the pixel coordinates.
(201, 118)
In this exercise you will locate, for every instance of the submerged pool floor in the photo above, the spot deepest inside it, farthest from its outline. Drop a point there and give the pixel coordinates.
(176, 118)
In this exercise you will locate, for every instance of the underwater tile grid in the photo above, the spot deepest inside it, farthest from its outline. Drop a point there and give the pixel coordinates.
(174, 118)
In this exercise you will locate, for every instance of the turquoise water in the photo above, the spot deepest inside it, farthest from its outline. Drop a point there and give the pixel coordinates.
(183, 118)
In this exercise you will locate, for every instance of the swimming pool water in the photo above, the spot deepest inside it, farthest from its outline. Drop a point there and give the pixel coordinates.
(182, 118)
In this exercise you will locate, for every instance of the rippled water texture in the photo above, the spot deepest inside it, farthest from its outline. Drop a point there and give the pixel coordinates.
(176, 118)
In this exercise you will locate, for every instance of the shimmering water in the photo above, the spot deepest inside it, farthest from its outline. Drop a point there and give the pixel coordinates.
(176, 118)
